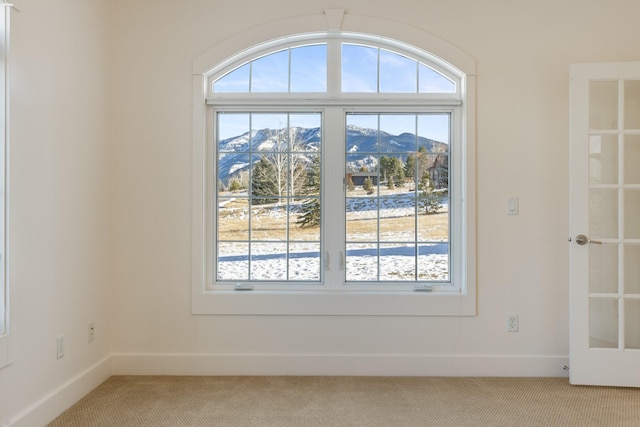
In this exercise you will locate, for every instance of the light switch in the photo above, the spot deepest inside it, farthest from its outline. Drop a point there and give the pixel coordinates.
(512, 206)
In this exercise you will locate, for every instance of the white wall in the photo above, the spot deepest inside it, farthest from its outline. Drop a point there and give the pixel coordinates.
(523, 51)
(101, 196)
(59, 205)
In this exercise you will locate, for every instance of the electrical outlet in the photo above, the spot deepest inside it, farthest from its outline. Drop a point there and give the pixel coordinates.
(512, 323)
(92, 332)
(60, 346)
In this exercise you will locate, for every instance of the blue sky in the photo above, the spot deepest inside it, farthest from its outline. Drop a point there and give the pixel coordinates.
(304, 68)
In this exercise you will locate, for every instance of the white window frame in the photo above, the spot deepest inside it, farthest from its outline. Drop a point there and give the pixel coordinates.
(330, 298)
(6, 355)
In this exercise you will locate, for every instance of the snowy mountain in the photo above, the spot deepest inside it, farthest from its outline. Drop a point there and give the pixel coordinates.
(363, 147)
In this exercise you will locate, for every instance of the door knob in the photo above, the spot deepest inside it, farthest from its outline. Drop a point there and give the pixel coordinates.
(581, 239)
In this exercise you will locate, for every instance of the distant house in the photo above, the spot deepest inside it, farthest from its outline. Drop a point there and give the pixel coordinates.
(358, 178)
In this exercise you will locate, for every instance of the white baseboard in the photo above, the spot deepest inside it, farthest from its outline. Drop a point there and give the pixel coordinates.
(60, 399)
(330, 364)
(53, 404)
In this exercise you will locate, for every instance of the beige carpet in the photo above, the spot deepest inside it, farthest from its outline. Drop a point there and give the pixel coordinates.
(351, 401)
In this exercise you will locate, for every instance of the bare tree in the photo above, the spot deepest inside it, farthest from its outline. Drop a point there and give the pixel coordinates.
(298, 164)
(288, 161)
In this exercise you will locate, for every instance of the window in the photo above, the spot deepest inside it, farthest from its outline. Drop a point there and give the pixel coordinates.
(334, 180)
(268, 177)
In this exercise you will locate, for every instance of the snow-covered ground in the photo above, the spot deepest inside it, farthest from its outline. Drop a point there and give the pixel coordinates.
(397, 261)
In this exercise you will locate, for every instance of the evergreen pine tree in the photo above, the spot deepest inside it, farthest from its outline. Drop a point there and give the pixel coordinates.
(390, 183)
(235, 185)
(400, 176)
(263, 182)
(410, 166)
(442, 172)
(367, 185)
(310, 209)
(428, 200)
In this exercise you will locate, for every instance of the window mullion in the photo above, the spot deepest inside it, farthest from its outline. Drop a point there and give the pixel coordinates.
(334, 66)
(289, 70)
(378, 71)
(333, 209)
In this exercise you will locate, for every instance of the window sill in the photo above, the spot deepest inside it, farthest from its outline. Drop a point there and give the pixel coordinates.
(333, 303)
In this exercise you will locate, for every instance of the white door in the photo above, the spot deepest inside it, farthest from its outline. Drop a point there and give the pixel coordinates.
(605, 224)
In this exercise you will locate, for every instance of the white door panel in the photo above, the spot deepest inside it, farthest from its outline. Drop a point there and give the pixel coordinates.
(605, 213)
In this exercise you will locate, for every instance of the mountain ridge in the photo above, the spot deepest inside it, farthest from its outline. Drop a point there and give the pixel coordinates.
(364, 145)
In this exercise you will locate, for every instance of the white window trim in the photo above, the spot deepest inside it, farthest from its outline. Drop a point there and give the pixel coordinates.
(6, 353)
(325, 302)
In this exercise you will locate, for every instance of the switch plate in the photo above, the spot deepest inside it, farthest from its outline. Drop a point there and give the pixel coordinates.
(512, 205)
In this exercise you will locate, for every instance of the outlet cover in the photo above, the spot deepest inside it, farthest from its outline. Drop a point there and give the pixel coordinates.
(512, 323)
(60, 346)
